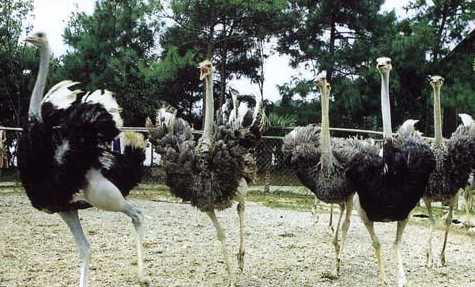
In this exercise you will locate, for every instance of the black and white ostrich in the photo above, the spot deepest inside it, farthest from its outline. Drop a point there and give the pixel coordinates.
(214, 170)
(320, 163)
(452, 169)
(390, 183)
(65, 163)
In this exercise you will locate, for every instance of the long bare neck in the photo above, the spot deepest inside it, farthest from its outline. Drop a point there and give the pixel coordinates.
(386, 106)
(325, 140)
(34, 110)
(437, 116)
(209, 110)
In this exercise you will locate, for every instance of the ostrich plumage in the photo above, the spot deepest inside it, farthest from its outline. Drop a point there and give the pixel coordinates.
(320, 163)
(64, 160)
(452, 169)
(213, 171)
(390, 183)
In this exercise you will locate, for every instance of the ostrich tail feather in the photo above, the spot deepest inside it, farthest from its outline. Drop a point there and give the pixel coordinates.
(134, 140)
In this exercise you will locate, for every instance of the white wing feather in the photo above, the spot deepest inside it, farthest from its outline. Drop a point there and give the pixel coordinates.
(61, 96)
(106, 99)
(242, 111)
(467, 120)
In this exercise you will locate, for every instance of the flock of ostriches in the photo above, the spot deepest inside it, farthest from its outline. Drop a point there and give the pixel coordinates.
(66, 164)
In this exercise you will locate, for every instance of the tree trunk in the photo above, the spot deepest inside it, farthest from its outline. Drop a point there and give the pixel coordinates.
(330, 67)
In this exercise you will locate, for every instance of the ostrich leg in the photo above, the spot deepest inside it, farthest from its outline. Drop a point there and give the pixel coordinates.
(335, 239)
(467, 195)
(72, 220)
(344, 229)
(429, 257)
(137, 220)
(103, 194)
(316, 217)
(330, 221)
(222, 238)
(402, 282)
(240, 255)
(448, 221)
(376, 245)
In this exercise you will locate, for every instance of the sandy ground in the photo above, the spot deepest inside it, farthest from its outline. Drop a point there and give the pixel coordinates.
(284, 248)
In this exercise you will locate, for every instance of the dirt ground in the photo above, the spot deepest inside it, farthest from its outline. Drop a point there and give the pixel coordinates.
(284, 248)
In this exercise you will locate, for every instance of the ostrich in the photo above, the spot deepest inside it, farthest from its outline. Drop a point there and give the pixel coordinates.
(213, 171)
(65, 164)
(320, 163)
(390, 183)
(452, 169)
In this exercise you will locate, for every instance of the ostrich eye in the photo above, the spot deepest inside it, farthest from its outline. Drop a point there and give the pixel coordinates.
(40, 34)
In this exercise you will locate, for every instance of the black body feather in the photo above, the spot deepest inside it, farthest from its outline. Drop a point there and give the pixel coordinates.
(302, 151)
(389, 187)
(54, 155)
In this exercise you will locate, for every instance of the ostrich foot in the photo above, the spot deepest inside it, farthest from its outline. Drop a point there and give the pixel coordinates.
(240, 258)
(383, 283)
(443, 261)
(230, 281)
(429, 259)
(338, 265)
(316, 218)
(402, 281)
(145, 281)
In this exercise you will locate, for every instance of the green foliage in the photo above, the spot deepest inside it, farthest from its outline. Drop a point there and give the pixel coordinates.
(113, 49)
(281, 120)
(345, 38)
(226, 31)
(116, 48)
(15, 57)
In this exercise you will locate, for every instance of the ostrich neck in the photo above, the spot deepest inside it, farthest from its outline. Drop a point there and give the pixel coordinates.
(437, 116)
(34, 110)
(325, 144)
(209, 109)
(385, 105)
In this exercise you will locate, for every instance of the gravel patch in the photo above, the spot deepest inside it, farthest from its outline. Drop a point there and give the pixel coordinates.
(284, 248)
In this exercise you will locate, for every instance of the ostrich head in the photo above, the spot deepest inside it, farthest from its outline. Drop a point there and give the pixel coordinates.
(206, 67)
(436, 81)
(322, 83)
(38, 39)
(383, 64)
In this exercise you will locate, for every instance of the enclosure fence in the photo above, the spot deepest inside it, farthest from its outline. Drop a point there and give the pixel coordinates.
(272, 170)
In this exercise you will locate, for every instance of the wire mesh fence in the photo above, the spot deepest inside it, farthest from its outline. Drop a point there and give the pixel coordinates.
(272, 171)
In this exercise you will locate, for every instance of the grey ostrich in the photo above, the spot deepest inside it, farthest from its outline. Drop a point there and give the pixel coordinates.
(211, 172)
(452, 167)
(320, 163)
(390, 183)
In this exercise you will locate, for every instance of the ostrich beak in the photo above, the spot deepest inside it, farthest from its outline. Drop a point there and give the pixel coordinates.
(204, 72)
(32, 40)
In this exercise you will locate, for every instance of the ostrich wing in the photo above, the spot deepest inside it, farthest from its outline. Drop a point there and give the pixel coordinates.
(55, 103)
(108, 102)
(301, 146)
(60, 96)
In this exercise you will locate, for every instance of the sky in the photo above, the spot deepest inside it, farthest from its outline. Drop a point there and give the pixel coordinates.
(51, 16)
